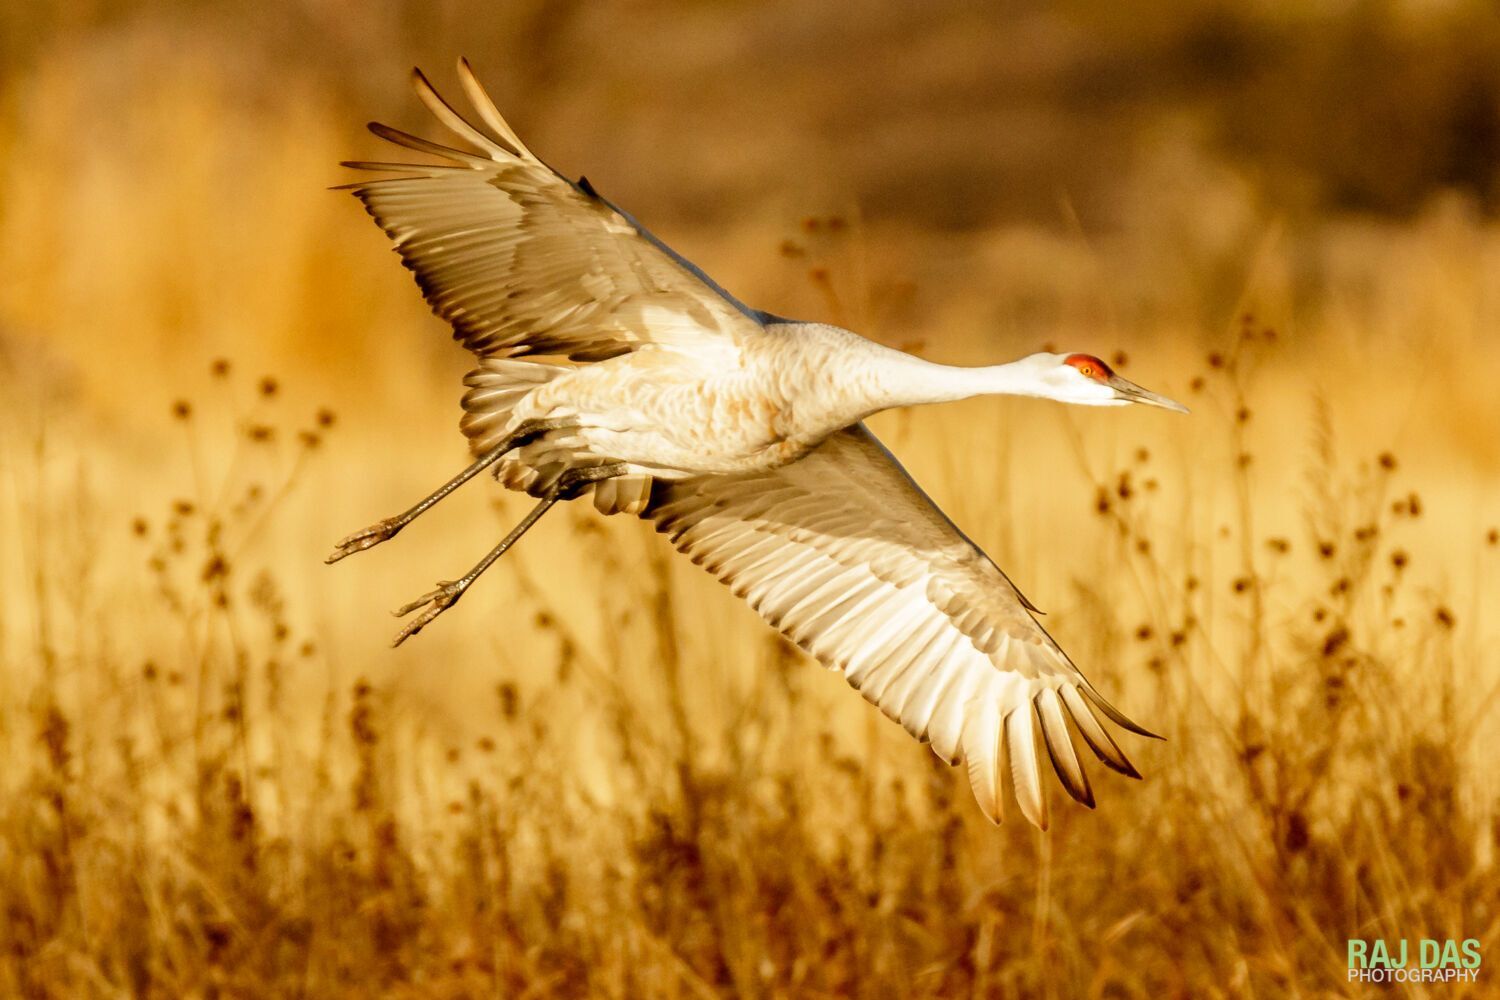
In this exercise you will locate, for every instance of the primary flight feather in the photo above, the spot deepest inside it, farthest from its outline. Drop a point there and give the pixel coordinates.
(611, 366)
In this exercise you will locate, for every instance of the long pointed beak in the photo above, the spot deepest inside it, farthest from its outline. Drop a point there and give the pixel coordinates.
(1132, 393)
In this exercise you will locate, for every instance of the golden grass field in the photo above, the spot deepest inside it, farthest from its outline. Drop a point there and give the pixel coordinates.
(600, 775)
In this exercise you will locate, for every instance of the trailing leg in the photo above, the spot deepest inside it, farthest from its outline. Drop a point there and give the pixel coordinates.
(386, 529)
(448, 592)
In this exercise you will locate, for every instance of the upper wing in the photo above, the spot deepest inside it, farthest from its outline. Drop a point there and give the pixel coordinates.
(844, 554)
(523, 261)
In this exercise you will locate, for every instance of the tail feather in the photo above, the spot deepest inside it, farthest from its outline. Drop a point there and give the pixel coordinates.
(495, 389)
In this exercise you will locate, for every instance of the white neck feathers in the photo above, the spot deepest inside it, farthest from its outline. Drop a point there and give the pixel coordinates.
(912, 381)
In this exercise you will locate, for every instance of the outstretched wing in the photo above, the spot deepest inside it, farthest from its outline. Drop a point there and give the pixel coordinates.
(523, 261)
(844, 554)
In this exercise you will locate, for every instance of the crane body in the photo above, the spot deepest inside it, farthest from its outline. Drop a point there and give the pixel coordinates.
(611, 366)
(746, 407)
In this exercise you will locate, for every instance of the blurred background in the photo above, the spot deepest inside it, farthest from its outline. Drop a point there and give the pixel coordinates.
(601, 775)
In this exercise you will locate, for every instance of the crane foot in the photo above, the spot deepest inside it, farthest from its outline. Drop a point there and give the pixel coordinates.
(380, 531)
(444, 597)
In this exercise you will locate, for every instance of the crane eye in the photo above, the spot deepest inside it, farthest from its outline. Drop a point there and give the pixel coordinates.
(1086, 371)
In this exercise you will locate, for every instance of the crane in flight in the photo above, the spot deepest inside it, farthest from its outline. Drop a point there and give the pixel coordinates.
(610, 366)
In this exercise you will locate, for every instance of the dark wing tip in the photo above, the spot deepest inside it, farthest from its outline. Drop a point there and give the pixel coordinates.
(1118, 717)
(1124, 766)
(419, 80)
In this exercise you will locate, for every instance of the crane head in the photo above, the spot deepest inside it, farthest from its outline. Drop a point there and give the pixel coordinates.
(1087, 380)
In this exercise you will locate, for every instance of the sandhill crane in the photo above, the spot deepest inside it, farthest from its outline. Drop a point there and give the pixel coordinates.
(608, 364)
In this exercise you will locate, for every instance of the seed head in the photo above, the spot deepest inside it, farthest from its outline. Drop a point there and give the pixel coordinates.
(216, 568)
(269, 386)
(510, 700)
(219, 367)
(182, 410)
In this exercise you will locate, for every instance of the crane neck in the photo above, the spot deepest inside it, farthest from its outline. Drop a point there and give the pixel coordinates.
(916, 381)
